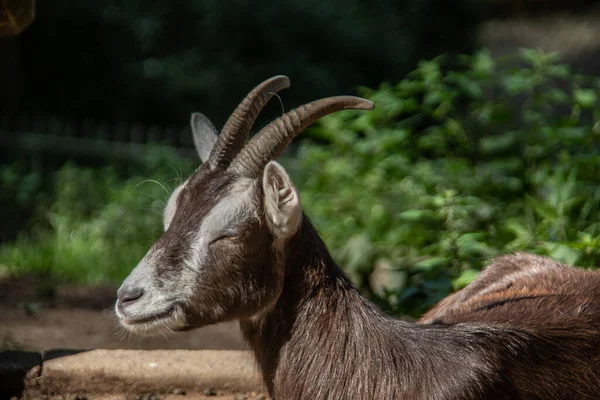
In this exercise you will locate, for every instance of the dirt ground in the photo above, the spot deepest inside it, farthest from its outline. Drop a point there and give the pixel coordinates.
(36, 315)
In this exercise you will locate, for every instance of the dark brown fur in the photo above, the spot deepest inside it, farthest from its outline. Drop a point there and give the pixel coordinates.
(244, 265)
(323, 340)
(527, 328)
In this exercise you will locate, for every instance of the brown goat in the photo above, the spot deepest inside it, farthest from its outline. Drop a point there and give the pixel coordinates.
(237, 246)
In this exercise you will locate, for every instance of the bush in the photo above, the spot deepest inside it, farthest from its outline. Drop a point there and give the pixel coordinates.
(97, 226)
(20, 193)
(455, 166)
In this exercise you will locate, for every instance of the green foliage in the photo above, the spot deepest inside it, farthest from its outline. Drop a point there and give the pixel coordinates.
(455, 166)
(98, 226)
(20, 191)
(19, 187)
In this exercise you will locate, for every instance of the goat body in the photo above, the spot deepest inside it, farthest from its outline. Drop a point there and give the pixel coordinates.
(526, 329)
(238, 246)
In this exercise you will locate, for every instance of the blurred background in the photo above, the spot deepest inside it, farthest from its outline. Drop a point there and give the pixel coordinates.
(485, 140)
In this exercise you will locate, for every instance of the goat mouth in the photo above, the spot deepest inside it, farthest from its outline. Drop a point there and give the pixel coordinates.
(164, 318)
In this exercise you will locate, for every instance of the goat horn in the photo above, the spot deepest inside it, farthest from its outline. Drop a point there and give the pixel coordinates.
(274, 138)
(235, 131)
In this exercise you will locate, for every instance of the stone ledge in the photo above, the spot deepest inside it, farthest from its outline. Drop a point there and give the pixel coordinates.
(96, 372)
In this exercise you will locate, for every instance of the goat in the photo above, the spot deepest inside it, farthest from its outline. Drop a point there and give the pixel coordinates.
(237, 246)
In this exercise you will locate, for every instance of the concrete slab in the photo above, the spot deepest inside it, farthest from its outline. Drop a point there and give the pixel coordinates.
(248, 396)
(148, 372)
(66, 374)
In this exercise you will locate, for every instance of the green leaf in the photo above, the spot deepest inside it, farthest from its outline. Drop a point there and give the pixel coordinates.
(417, 215)
(469, 86)
(541, 208)
(357, 254)
(559, 71)
(432, 263)
(585, 98)
(493, 144)
(562, 253)
(466, 277)
(483, 63)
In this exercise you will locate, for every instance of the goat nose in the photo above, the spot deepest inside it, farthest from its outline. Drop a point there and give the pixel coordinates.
(128, 295)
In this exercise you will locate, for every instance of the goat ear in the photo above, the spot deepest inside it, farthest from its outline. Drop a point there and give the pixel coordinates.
(282, 201)
(205, 135)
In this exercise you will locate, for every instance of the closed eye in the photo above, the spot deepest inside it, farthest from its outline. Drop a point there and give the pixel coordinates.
(226, 236)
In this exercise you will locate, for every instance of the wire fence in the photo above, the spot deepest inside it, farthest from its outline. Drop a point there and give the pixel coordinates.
(45, 142)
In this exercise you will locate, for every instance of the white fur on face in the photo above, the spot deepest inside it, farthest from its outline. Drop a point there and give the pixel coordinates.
(171, 206)
(163, 299)
(158, 309)
(223, 220)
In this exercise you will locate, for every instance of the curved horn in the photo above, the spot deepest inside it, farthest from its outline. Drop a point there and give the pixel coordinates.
(274, 138)
(235, 131)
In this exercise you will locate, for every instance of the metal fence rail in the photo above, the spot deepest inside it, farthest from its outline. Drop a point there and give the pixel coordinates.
(45, 142)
